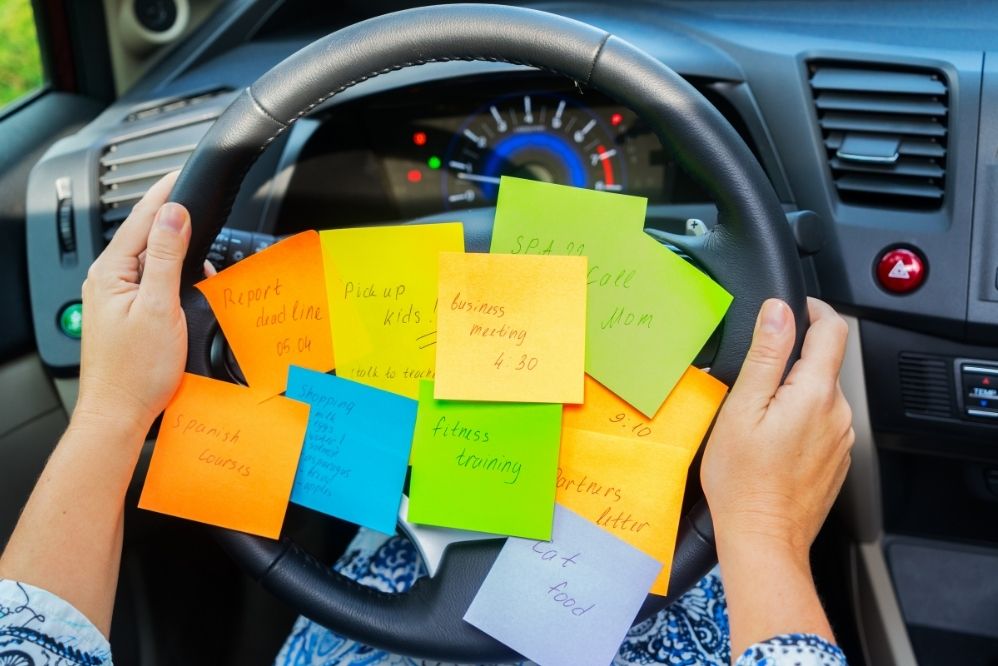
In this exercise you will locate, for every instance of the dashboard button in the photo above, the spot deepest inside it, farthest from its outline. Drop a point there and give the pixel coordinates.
(900, 270)
(71, 320)
(239, 246)
(980, 390)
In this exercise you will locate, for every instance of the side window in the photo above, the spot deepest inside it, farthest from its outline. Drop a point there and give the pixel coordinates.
(20, 58)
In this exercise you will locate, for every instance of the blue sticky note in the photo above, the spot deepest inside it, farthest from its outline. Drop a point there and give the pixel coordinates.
(356, 449)
(584, 587)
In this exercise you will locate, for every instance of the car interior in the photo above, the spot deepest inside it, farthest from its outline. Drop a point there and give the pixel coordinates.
(868, 119)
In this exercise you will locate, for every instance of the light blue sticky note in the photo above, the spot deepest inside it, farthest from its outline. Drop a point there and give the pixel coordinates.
(584, 587)
(356, 450)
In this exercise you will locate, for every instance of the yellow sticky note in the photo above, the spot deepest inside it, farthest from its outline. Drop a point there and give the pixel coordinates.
(511, 328)
(682, 420)
(272, 308)
(381, 283)
(627, 473)
(224, 458)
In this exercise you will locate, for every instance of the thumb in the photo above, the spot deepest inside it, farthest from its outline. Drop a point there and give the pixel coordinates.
(168, 239)
(762, 370)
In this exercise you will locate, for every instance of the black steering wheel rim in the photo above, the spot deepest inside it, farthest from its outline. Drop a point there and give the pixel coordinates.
(751, 252)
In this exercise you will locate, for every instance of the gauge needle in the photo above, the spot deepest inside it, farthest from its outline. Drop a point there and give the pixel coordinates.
(478, 179)
(580, 135)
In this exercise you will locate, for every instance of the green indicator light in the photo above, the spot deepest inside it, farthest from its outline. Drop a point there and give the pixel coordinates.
(433, 162)
(71, 320)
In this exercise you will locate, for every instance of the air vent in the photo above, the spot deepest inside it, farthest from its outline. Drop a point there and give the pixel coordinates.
(130, 166)
(927, 387)
(885, 132)
(174, 104)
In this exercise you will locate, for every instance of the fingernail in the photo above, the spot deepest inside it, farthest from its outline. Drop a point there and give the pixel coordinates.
(774, 316)
(171, 216)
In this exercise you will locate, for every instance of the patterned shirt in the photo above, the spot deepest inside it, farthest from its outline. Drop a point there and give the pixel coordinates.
(38, 628)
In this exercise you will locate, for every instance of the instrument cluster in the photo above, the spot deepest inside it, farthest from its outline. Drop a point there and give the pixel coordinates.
(444, 147)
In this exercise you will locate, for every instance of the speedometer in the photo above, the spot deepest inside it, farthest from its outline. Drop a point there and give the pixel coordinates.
(541, 137)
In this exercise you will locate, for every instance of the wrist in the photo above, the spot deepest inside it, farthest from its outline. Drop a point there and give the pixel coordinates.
(764, 548)
(109, 406)
(763, 525)
(769, 590)
(120, 424)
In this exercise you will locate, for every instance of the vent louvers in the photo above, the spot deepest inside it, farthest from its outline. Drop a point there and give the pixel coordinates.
(172, 105)
(130, 166)
(885, 132)
(927, 386)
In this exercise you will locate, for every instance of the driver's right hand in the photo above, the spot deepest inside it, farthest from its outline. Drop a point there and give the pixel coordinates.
(780, 450)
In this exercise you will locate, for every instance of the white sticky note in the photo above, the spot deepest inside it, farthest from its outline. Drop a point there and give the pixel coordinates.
(567, 601)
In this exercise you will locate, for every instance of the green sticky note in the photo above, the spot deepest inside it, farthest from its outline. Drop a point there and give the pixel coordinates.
(649, 312)
(485, 466)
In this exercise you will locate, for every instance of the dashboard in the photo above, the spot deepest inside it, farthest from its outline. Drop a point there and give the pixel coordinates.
(877, 141)
(886, 143)
(438, 148)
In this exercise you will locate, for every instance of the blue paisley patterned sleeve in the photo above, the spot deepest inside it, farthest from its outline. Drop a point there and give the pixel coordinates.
(793, 650)
(37, 627)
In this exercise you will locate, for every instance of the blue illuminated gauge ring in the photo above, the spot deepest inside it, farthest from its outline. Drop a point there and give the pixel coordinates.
(563, 138)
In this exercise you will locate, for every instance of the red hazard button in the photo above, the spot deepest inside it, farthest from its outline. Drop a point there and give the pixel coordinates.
(900, 270)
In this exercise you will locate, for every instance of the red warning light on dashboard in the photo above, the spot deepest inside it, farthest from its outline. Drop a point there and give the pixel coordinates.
(414, 175)
(419, 138)
(616, 119)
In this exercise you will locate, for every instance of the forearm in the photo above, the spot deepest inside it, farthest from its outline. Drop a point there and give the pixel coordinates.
(769, 592)
(68, 538)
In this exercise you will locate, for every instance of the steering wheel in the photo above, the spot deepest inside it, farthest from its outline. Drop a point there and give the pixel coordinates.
(751, 252)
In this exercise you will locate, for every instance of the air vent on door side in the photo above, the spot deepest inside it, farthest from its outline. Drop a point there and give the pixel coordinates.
(130, 166)
(885, 133)
(173, 105)
(927, 387)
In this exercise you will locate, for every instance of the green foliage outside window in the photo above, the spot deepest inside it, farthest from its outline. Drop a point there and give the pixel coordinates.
(20, 59)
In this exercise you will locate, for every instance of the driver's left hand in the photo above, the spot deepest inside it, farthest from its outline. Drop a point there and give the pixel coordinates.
(134, 343)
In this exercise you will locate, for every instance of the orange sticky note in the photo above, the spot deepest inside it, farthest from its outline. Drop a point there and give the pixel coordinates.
(224, 458)
(627, 473)
(511, 328)
(272, 308)
(631, 488)
(682, 420)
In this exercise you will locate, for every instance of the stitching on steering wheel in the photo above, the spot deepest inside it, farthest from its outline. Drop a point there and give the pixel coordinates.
(416, 63)
(264, 111)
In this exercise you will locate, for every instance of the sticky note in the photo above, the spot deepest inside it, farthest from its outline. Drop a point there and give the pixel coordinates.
(356, 449)
(224, 458)
(682, 420)
(511, 328)
(564, 602)
(650, 312)
(627, 474)
(272, 308)
(381, 283)
(486, 467)
(632, 489)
